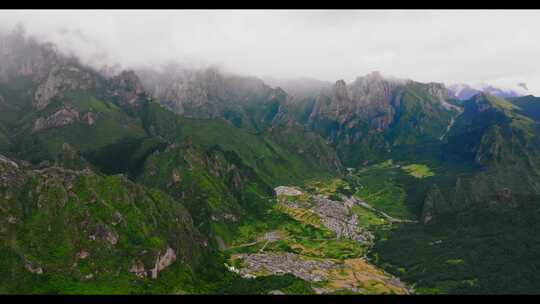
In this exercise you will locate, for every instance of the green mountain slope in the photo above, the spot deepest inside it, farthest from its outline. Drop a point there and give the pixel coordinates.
(478, 233)
(373, 117)
(116, 174)
(78, 232)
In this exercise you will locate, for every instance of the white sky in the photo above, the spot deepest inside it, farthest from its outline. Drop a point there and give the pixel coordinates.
(497, 47)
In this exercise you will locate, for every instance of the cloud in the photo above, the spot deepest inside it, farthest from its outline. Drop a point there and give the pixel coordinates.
(442, 46)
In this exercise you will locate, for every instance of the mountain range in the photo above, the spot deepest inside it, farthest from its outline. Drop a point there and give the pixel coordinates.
(177, 180)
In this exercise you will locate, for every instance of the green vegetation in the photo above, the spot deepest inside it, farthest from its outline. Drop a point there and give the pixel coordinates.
(204, 187)
(418, 171)
(480, 252)
(379, 186)
(272, 163)
(306, 216)
(369, 219)
(111, 219)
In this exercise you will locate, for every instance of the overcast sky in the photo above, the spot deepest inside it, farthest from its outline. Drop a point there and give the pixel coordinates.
(498, 47)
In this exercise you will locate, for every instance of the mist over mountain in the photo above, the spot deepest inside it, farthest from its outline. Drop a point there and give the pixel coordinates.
(129, 167)
(464, 91)
(325, 45)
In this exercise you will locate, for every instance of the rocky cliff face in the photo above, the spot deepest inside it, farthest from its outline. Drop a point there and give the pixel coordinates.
(51, 72)
(374, 114)
(209, 94)
(49, 98)
(127, 87)
(46, 74)
(60, 78)
(60, 118)
(370, 97)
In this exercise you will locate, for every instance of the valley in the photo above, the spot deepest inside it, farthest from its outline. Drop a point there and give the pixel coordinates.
(332, 257)
(198, 181)
(327, 240)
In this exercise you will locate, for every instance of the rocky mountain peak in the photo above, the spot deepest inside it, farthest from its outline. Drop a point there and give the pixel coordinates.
(130, 81)
(340, 90)
(374, 76)
(440, 91)
(127, 86)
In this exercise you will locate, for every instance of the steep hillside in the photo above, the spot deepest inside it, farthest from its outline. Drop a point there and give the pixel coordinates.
(76, 231)
(479, 226)
(155, 180)
(528, 106)
(503, 144)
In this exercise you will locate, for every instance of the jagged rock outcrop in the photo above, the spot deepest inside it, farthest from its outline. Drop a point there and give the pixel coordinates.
(138, 269)
(83, 254)
(8, 161)
(89, 118)
(33, 267)
(373, 114)
(62, 78)
(288, 191)
(11, 175)
(63, 117)
(370, 97)
(209, 93)
(127, 87)
(163, 261)
(52, 72)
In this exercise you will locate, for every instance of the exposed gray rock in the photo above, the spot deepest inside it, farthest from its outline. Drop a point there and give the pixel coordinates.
(163, 261)
(60, 118)
(83, 254)
(89, 118)
(117, 218)
(176, 178)
(61, 77)
(12, 220)
(230, 217)
(206, 93)
(8, 161)
(112, 237)
(127, 87)
(105, 233)
(288, 191)
(33, 267)
(10, 174)
(138, 269)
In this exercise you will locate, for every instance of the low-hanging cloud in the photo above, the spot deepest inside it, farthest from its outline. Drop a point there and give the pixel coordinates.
(497, 47)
